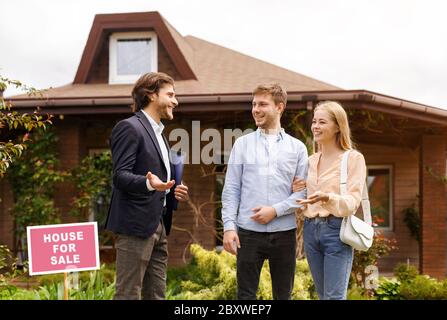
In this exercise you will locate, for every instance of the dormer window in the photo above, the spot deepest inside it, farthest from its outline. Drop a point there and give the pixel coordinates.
(131, 55)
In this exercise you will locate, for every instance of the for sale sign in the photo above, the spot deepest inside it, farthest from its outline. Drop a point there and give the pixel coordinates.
(63, 248)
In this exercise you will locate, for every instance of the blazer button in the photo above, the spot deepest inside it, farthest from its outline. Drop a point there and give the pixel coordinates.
(162, 199)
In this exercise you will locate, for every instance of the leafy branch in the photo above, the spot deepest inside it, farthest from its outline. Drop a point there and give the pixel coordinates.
(12, 122)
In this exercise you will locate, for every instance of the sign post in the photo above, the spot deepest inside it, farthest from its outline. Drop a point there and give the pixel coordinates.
(63, 248)
(65, 286)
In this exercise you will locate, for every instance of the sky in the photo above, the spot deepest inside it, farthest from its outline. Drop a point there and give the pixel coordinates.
(393, 47)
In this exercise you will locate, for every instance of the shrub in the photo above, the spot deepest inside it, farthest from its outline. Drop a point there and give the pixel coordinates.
(6, 263)
(389, 289)
(423, 287)
(362, 259)
(212, 275)
(8, 267)
(93, 285)
(13, 293)
(405, 273)
(356, 293)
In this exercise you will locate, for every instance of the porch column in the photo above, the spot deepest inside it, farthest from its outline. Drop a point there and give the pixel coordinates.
(433, 207)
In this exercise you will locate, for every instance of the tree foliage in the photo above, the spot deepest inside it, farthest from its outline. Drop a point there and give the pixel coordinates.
(15, 127)
(33, 180)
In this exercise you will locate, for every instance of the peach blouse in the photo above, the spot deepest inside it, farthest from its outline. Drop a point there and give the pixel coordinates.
(329, 182)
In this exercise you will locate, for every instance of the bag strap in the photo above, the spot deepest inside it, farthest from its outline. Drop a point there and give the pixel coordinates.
(366, 208)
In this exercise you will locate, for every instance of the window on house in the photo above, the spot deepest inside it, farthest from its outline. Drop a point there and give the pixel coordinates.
(131, 54)
(380, 195)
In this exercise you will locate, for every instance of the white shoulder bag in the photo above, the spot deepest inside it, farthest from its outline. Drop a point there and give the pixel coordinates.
(355, 232)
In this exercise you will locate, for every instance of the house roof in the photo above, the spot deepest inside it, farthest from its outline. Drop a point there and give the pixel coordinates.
(210, 74)
(207, 68)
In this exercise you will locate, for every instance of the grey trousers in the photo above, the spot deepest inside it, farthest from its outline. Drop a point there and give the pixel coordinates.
(141, 266)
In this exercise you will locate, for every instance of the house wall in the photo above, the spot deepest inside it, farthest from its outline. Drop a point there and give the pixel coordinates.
(405, 162)
(70, 147)
(78, 136)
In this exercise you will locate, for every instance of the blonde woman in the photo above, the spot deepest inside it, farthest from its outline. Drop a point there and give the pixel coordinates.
(330, 260)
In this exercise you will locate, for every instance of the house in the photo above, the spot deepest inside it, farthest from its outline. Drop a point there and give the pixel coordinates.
(404, 143)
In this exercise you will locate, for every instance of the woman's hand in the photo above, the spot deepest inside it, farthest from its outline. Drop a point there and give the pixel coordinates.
(315, 197)
(298, 184)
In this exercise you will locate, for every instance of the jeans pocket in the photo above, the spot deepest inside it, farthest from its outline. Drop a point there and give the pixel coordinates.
(334, 223)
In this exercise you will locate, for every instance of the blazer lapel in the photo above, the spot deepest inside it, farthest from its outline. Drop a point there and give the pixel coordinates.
(169, 154)
(146, 124)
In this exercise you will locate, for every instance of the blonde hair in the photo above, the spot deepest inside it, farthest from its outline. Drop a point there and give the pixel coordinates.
(339, 116)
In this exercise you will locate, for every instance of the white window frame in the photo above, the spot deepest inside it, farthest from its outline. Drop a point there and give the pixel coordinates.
(390, 168)
(114, 78)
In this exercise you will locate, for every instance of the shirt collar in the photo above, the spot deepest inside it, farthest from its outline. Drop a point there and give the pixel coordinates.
(158, 128)
(280, 135)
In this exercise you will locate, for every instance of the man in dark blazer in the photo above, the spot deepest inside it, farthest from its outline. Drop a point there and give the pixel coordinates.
(141, 207)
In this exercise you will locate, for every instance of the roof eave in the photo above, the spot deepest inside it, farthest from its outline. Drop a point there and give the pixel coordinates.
(296, 100)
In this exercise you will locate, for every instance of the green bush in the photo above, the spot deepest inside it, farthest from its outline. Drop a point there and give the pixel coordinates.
(212, 276)
(13, 293)
(389, 289)
(5, 261)
(405, 273)
(93, 285)
(381, 247)
(423, 287)
(356, 293)
(107, 273)
(409, 285)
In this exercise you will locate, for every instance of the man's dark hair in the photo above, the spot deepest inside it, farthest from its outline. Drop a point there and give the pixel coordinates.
(148, 84)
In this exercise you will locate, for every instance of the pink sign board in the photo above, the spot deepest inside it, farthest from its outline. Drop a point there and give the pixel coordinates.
(63, 248)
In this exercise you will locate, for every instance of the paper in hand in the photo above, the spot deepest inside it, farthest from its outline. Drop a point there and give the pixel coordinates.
(178, 160)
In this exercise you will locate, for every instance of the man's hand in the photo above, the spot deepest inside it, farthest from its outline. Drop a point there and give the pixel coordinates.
(315, 197)
(231, 241)
(263, 215)
(181, 192)
(157, 184)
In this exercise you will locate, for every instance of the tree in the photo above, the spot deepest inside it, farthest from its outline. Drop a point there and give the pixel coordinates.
(15, 128)
(15, 136)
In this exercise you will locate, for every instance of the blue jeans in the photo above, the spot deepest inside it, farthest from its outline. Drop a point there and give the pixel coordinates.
(330, 260)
